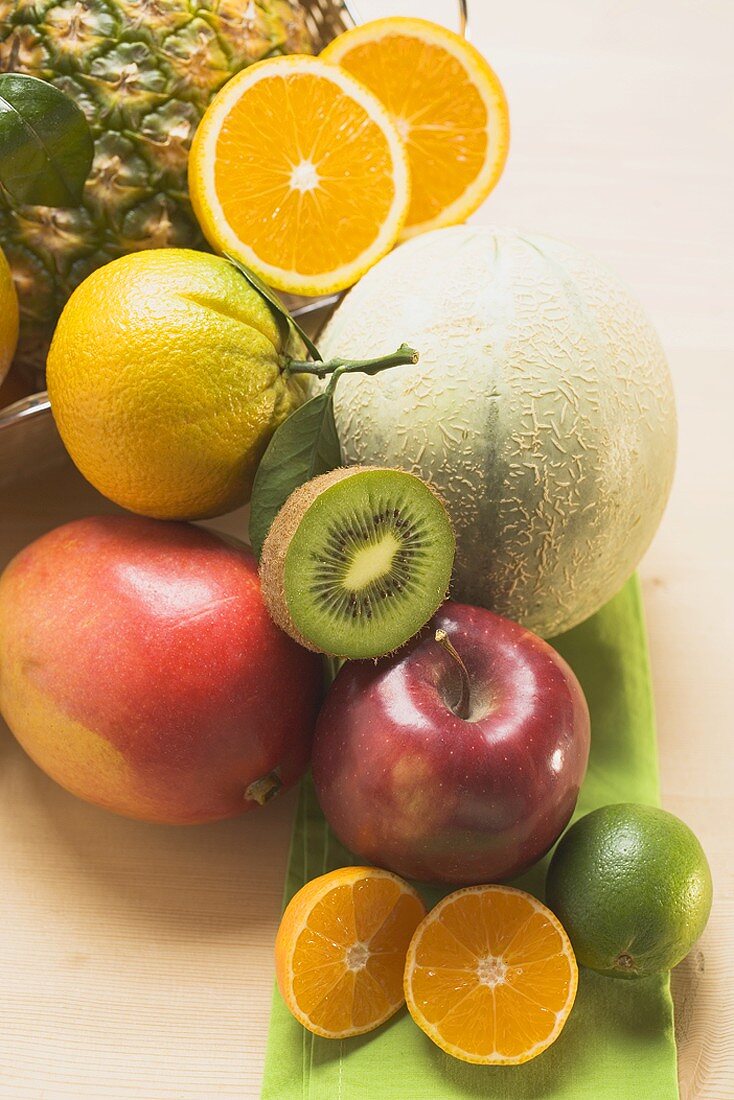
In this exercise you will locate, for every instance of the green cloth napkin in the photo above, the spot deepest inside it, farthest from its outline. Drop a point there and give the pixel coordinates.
(618, 1041)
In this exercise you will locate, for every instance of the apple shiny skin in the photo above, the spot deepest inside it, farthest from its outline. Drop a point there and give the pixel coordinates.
(409, 785)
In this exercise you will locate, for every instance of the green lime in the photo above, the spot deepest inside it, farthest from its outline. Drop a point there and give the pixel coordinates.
(632, 887)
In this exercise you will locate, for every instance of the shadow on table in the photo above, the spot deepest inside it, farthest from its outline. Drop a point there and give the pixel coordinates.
(162, 881)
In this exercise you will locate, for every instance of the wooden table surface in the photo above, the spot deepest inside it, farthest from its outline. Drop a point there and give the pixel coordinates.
(135, 960)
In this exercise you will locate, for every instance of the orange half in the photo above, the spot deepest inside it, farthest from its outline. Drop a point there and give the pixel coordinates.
(448, 106)
(297, 171)
(340, 950)
(490, 976)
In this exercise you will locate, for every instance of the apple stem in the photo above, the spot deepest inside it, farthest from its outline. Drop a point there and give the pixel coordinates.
(462, 707)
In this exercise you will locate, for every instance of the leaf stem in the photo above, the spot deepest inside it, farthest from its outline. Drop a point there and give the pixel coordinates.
(404, 356)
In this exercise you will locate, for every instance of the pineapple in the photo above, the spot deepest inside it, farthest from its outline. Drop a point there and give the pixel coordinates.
(143, 72)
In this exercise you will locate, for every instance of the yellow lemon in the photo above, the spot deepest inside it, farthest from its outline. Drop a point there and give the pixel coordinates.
(8, 317)
(166, 378)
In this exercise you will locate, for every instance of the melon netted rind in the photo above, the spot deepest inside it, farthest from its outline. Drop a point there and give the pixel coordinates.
(541, 410)
(143, 72)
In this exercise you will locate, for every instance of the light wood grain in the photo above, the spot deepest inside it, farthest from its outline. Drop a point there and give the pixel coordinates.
(136, 961)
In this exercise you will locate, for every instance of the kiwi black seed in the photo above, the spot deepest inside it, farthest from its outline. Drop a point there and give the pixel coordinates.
(357, 561)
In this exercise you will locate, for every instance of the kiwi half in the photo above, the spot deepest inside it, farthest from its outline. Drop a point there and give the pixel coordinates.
(357, 561)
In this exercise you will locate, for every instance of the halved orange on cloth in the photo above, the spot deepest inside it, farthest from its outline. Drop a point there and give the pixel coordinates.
(340, 950)
(491, 976)
(297, 171)
(448, 105)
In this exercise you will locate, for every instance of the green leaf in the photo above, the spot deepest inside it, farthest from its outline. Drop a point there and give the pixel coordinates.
(46, 146)
(306, 444)
(272, 298)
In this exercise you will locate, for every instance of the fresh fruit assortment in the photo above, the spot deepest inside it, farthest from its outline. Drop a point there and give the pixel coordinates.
(525, 444)
(168, 406)
(143, 74)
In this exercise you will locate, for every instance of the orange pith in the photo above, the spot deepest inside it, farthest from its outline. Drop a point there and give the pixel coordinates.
(448, 106)
(491, 976)
(297, 171)
(340, 950)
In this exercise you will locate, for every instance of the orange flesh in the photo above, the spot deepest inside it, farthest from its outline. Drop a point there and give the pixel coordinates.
(348, 951)
(439, 114)
(492, 976)
(299, 129)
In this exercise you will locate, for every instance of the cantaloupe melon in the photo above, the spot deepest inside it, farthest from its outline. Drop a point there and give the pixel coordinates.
(541, 410)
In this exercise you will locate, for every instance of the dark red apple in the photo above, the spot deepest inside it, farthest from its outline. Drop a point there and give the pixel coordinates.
(456, 760)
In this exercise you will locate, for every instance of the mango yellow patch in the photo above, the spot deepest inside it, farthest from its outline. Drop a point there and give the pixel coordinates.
(75, 756)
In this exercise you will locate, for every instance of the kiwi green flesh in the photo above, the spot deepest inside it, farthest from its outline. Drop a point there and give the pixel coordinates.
(368, 564)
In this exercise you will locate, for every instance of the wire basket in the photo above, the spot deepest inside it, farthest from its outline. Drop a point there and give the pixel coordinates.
(326, 19)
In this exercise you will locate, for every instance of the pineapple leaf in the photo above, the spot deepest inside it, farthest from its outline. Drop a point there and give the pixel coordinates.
(46, 146)
(272, 299)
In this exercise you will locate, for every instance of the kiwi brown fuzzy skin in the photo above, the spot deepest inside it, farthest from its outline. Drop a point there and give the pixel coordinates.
(275, 547)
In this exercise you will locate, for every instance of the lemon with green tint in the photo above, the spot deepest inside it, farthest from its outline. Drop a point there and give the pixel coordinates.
(632, 887)
(167, 376)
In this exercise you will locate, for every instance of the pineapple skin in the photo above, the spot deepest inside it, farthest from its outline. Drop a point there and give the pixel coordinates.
(143, 72)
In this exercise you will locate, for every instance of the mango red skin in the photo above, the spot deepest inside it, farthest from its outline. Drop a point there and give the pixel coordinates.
(408, 785)
(139, 667)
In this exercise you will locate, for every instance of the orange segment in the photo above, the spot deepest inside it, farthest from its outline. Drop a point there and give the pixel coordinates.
(490, 976)
(340, 950)
(297, 171)
(448, 106)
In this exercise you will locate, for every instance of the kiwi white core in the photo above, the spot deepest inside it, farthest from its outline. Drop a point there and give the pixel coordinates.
(372, 562)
